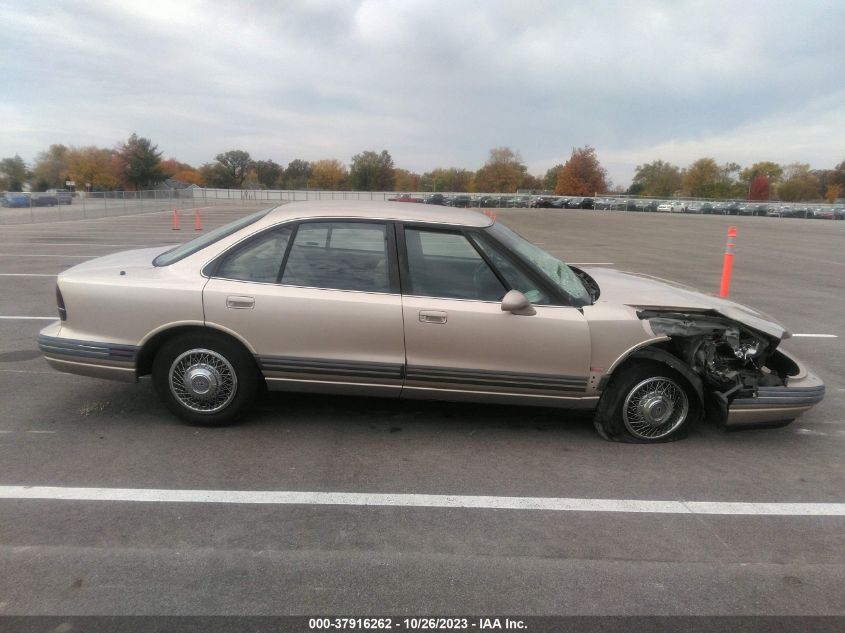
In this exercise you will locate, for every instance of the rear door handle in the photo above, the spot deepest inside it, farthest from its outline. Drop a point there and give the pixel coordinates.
(432, 316)
(238, 302)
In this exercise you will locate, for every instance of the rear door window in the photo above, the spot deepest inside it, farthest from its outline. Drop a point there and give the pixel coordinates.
(340, 256)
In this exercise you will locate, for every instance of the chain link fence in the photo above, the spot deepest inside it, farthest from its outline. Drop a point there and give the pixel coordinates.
(57, 206)
(60, 205)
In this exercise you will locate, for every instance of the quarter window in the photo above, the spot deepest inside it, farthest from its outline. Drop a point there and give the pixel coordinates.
(444, 264)
(339, 255)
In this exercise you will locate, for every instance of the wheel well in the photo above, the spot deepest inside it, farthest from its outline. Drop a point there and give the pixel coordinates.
(148, 352)
(659, 355)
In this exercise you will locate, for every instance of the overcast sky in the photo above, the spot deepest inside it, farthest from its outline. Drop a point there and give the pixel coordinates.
(435, 83)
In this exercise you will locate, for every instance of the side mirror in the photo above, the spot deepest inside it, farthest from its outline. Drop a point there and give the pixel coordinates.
(517, 303)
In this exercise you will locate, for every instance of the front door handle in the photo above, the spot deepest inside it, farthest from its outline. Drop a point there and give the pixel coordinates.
(432, 316)
(239, 302)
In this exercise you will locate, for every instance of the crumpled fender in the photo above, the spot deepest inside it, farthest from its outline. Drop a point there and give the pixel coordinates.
(661, 356)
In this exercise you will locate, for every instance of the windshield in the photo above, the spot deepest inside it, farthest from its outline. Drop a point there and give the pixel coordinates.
(555, 270)
(199, 243)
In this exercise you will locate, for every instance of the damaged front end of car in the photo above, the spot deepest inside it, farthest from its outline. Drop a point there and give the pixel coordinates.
(748, 381)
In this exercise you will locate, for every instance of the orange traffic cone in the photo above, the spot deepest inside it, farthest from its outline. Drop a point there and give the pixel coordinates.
(197, 221)
(175, 220)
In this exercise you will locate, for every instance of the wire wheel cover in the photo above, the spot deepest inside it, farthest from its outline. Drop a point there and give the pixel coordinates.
(203, 381)
(654, 408)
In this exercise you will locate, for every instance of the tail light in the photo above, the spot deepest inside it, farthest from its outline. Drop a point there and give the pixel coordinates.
(60, 303)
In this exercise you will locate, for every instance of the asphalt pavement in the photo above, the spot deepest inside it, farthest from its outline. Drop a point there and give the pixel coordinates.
(101, 557)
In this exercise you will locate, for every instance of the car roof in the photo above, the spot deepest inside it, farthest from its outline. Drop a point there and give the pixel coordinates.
(377, 210)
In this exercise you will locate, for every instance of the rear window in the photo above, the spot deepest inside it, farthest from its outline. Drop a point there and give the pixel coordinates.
(199, 243)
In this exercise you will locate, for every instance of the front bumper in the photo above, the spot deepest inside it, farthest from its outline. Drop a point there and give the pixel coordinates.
(773, 405)
(111, 361)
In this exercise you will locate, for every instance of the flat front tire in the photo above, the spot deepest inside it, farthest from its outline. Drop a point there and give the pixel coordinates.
(645, 402)
(205, 379)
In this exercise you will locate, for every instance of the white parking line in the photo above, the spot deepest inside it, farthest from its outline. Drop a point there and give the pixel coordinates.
(816, 335)
(29, 318)
(549, 504)
(28, 275)
(591, 263)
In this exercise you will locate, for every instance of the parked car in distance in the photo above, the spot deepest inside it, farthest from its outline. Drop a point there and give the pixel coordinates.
(675, 206)
(435, 198)
(64, 196)
(542, 202)
(43, 200)
(14, 199)
(461, 201)
(408, 301)
(405, 197)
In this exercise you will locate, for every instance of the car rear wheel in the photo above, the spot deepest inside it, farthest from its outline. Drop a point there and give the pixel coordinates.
(645, 403)
(207, 380)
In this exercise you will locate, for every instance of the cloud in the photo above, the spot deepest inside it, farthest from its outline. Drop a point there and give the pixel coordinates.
(436, 83)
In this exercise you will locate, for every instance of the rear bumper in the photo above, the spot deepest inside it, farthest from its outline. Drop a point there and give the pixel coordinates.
(772, 405)
(110, 361)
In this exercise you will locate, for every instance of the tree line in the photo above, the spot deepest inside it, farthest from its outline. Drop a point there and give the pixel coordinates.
(138, 164)
(764, 180)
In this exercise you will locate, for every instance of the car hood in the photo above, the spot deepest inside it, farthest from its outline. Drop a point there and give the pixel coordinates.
(646, 292)
(134, 260)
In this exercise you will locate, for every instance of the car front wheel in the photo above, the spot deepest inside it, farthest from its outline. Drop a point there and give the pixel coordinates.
(206, 380)
(645, 403)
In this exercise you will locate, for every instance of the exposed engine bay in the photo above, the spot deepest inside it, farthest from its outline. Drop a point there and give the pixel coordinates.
(731, 359)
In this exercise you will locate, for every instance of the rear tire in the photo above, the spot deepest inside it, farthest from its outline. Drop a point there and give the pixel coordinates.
(205, 379)
(646, 403)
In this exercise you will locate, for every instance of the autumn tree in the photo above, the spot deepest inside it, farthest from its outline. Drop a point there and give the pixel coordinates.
(370, 171)
(448, 179)
(582, 174)
(798, 183)
(215, 175)
(141, 163)
(772, 171)
(502, 173)
(532, 182)
(181, 172)
(297, 174)
(705, 178)
(837, 181)
(13, 173)
(550, 179)
(268, 173)
(328, 173)
(232, 168)
(50, 169)
(657, 179)
(759, 187)
(823, 180)
(94, 167)
(404, 180)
